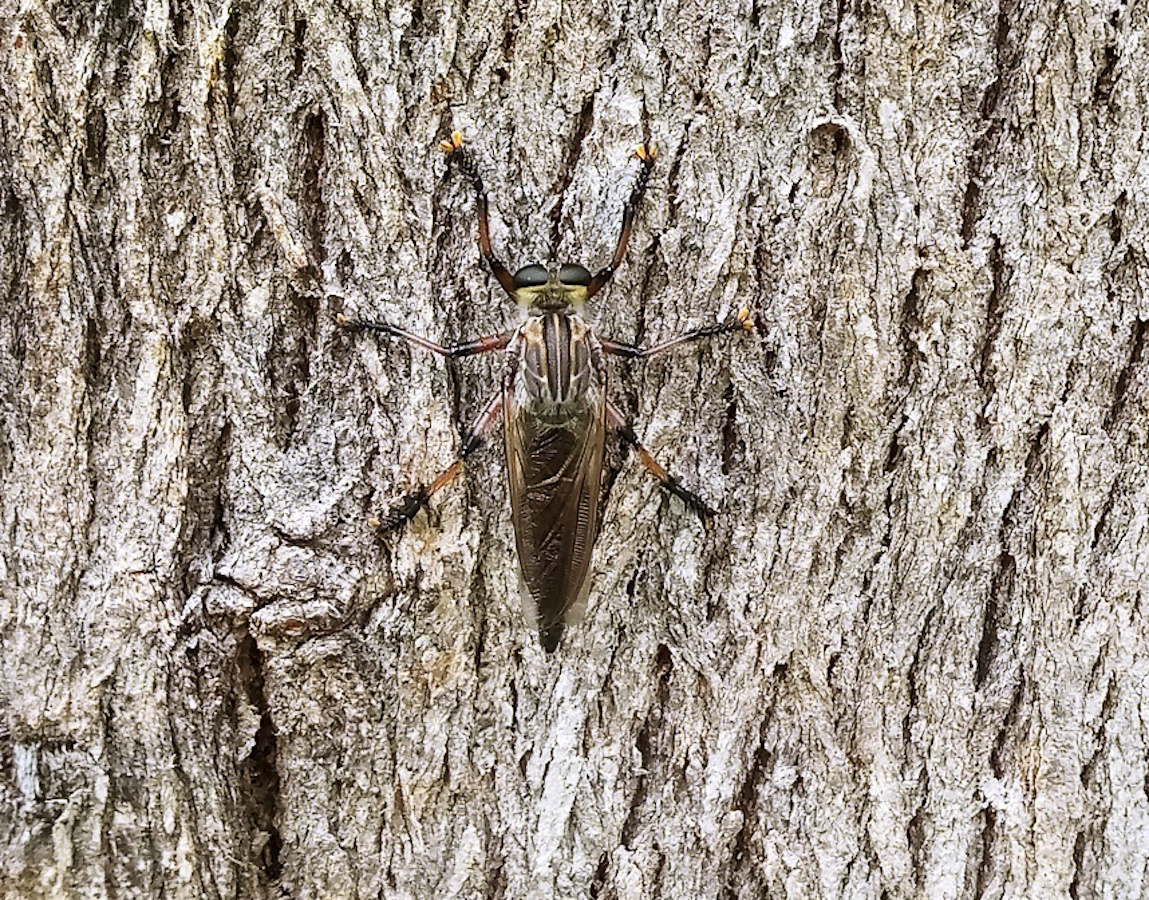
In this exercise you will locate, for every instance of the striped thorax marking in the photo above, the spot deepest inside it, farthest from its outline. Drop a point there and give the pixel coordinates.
(557, 353)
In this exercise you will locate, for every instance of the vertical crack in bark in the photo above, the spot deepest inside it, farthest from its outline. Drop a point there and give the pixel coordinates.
(312, 204)
(1036, 449)
(1005, 59)
(912, 674)
(893, 460)
(742, 855)
(96, 384)
(298, 46)
(657, 879)
(174, 686)
(911, 324)
(841, 8)
(15, 229)
(971, 200)
(355, 50)
(95, 139)
(1033, 464)
(219, 536)
(985, 864)
(259, 775)
(204, 530)
(1011, 720)
(1095, 818)
(108, 854)
(511, 24)
(566, 174)
(497, 880)
(294, 339)
(916, 839)
(1078, 862)
(1001, 585)
(1117, 220)
(1106, 77)
(1121, 388)
(1102, 525)
(916, 829)
(230, 57)
(478, 608)
(598, 882)
(672, 174)
(1000, 591)
(663, 667)
(732, 448)
(993, 317)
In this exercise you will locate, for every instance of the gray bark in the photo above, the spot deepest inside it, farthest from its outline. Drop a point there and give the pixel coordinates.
(908, 660)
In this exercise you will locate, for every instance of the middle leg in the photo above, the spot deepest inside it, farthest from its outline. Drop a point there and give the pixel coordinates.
(451, 351)
(739, 321)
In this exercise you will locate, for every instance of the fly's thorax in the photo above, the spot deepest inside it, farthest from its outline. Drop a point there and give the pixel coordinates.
(559, 364)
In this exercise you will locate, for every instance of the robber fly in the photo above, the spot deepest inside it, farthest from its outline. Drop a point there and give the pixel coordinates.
(555, 412)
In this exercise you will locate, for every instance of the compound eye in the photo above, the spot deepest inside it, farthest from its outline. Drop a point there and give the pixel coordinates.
(531, 276)
(573, 273)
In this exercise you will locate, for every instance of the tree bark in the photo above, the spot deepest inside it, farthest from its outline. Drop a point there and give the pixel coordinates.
(909, 657)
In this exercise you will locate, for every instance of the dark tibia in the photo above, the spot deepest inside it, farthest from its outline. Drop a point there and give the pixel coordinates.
(451, 351)
(742, 320)
(668, 481)
(647, 156)
(461, 156)
(406, 509)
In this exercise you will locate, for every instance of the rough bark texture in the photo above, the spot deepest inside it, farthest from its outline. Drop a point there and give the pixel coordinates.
(909, 659)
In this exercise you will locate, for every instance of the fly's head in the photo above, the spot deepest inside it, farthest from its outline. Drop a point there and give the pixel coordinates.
(552, 290)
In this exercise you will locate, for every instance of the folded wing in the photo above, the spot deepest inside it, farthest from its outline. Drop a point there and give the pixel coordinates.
(554, 466)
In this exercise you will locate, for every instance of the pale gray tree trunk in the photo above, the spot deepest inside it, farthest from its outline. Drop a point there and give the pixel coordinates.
(908, 660)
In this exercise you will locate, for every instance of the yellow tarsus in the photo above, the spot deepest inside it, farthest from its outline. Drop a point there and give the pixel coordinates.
(455, 142)
(646, 152)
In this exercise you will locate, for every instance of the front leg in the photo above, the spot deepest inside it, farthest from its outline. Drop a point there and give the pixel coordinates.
(457, 152)
(647, 155)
